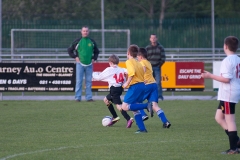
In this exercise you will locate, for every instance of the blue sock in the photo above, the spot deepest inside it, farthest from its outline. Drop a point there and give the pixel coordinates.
(137, 106)
(139, 121)
(143, 113)
(162, 116)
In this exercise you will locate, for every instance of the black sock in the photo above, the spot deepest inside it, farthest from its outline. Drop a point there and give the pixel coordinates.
(112, 110)
(226, 131)
(125, 115)
(233, 139)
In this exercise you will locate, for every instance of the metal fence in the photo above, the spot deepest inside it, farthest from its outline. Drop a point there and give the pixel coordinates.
(174, 33)
(60, 54)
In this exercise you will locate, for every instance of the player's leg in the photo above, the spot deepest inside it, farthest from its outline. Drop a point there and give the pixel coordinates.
(219, 116)
(116, 93)
(229, 112)
(79, 80)
(134, 95)
(144, 115)
(153, 97)
(88, 82)
(111, 109)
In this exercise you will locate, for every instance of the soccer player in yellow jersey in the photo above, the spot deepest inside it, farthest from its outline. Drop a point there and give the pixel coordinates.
(135, 81)
(151, 90)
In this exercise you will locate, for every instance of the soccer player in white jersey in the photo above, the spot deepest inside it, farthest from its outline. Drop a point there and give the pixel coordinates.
(228, 92)
(115, 76)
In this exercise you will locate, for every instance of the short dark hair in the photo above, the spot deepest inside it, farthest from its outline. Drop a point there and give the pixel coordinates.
(232, 43)
(85, 27)
(133, 50)
(114, 59)
(142, 52)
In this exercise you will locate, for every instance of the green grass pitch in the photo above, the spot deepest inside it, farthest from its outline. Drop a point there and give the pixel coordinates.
(67, 130)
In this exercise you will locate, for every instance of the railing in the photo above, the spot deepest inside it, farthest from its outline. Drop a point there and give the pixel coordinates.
(61, 55)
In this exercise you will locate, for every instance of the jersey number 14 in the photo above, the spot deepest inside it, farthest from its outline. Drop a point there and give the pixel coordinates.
(119, 78)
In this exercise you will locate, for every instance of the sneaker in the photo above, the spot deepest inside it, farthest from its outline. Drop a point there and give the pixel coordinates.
(230, 151)
(150, 109)
(130, 122)
(90, 100)
(167, 125)
(77, 100)
(141, 131)
(115, 120)
(144, 118)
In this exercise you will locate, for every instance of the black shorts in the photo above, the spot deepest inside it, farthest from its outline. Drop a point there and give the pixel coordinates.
(227, 107)
(115, 95)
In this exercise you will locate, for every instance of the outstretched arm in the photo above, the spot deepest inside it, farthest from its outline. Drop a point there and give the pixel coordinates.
(209, 75)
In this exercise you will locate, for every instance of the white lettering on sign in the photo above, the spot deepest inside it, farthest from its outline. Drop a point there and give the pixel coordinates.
(183, 76)
(50, 69)
(190, 71)
(19, 81)
(3, 81)
(29, 70)
(195, 77)
(16, 88)
(10, 70)
(186, 71)
(36, 88)
(190, 74)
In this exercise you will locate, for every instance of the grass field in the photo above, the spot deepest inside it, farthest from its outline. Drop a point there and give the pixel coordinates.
(67, 130)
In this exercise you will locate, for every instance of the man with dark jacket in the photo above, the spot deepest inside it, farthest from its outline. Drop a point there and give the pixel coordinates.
(156, 56)
(85, 51)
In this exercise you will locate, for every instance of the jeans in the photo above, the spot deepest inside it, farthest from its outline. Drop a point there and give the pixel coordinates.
(80, 71)
(157, 76)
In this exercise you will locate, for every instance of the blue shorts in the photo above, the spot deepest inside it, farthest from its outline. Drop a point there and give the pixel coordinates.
(135, 93)
(151, 92)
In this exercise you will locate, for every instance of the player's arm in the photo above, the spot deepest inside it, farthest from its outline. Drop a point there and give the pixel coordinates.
(131, 73)
(209, 75)
(103, 76)
(127, 82)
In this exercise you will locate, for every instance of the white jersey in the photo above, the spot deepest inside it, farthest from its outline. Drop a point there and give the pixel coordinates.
(113, 75)
(230, 68)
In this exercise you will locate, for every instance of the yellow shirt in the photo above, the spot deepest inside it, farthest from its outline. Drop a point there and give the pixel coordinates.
(148, 75)
(135, 69)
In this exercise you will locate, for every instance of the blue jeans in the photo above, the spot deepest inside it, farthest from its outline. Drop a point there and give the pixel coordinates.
(157, 76)
(80, 71)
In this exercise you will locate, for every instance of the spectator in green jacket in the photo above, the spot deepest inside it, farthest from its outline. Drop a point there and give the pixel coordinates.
(85, 51)
(156, 56)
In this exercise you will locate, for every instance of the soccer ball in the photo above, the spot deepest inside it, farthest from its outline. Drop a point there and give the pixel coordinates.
(106, 121)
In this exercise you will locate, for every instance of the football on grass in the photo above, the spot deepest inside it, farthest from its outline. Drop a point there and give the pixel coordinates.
(106, 121)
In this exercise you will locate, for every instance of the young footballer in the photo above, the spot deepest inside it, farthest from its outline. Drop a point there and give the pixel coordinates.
(115, 76)
(151, 89)
(228, 92)
(134, 96)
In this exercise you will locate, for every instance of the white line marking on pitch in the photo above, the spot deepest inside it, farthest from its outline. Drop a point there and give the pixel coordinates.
(81, 146)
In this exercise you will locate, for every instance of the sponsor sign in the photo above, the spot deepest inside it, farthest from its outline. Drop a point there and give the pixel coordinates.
(37, 77)
(175, 76)
(55, 77)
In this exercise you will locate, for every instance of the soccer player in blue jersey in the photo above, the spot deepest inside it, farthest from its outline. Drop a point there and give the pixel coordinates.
(135, 93)
(151, 89)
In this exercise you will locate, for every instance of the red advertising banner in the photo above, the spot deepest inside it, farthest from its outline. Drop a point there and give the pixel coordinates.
(189, 73)
(176, 76)
(99, 67)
